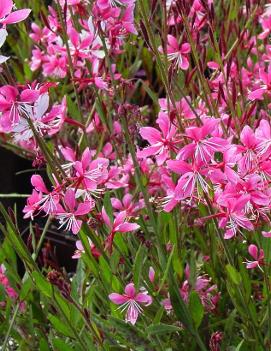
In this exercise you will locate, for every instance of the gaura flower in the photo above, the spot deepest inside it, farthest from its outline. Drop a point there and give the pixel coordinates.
(258, 256)
(131, 302)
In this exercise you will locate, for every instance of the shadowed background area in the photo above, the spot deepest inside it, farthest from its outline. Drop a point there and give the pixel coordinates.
(15, 176)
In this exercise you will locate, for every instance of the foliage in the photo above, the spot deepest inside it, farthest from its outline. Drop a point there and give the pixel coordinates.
(148, 127)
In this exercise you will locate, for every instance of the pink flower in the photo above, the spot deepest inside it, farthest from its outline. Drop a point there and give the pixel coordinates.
(9, 17)
(161, 142)
(263, 135)
(263, 87)
(48, 201)
(33, 204)
(69, 216)
(80, 249)
(266, 24)
(178, 53)
(131, 302)
(127, 204)
(234, 215)
(91, 173)
(201, 147)
(192, 178)
(207, 293)
(258, 256)
(15, 105)
(119, 225)
(12, 294)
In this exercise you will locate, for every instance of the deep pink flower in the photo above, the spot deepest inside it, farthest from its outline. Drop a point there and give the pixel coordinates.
(161, 142)
(131, 301)
(33, 204)
(266, 24)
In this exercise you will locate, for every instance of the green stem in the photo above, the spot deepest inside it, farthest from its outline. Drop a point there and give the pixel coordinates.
(35, 255)
(5, 344)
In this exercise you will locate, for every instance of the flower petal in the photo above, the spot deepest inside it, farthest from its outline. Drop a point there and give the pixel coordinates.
(17, 16)
(127, 227)
(117, 298)
(143, 298)
(130, 290)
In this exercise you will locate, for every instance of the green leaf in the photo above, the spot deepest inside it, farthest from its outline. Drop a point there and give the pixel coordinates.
(167, 269)
(181, 310)
(27, 285)
(138, 264)
(160, 329)
(233, 274)
(42, 284)
(60, 345)
(159, 314)
(43, 345)
(238, 348)
(72, 108)
(60, 326)
(105, 270)
(196, 308)
(108, 206)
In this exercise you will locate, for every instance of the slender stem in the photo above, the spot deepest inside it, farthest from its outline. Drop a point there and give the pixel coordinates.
(42, 237)
(35, 255)
(5, 344)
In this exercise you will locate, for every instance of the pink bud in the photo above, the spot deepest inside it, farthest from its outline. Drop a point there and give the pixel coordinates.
(151, 274)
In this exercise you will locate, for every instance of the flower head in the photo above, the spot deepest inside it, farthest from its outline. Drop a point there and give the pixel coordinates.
(131, 301)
